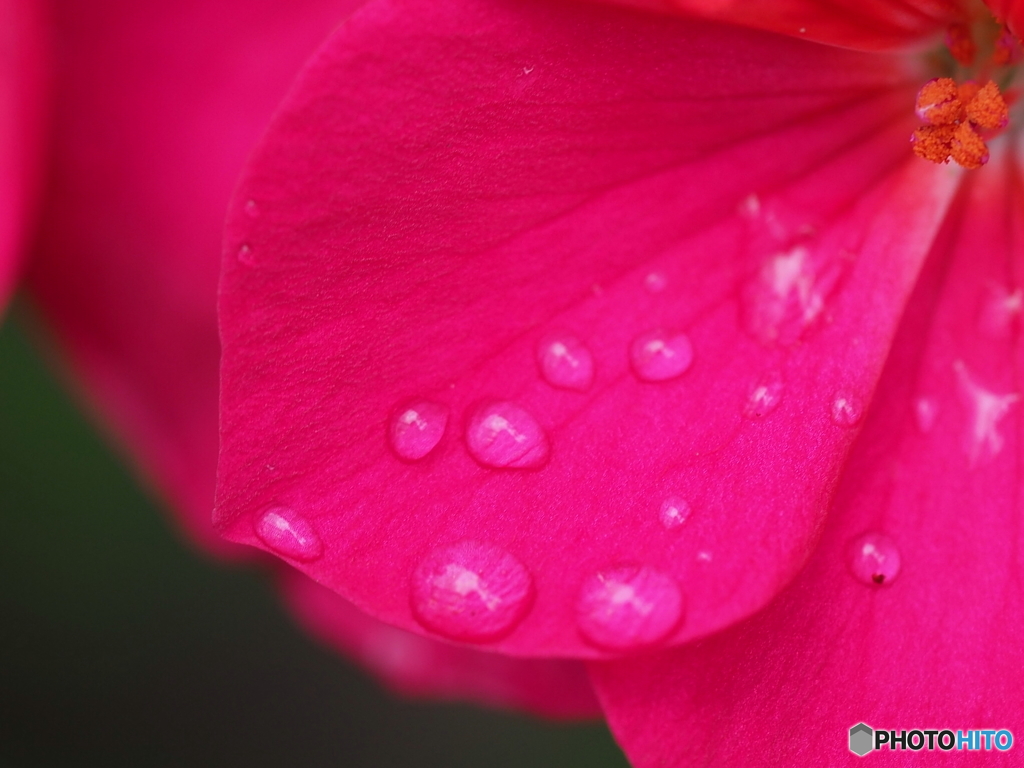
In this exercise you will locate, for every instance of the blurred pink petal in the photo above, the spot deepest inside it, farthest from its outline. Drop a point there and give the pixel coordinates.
(861, 24)
(24, 80)
(935, 478)
(720, 225)
(422, 667)
(157, 107)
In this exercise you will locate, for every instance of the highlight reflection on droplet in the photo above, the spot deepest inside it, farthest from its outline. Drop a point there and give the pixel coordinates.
(627, 607)
(471, 591)
(289, 534)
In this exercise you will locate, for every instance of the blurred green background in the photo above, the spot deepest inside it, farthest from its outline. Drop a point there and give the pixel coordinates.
(120, 647)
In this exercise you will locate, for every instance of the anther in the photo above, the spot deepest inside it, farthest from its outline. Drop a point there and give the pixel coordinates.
(933, 142)
(988, 108)
(968, 148)
(938, 102)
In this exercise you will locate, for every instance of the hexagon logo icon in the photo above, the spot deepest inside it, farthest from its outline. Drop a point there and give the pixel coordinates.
(860, 739)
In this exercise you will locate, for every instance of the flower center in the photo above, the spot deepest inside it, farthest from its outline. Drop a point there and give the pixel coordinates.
(971, 105)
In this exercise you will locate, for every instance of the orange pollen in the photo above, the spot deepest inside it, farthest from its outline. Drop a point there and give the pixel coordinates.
(954, 115)
(988, 108)
(968, 148)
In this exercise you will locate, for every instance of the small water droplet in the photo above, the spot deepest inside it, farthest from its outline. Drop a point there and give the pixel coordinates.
(926, 411)
(764, 396)
(846, 410)
(565, 362)
(289, 534)
(417, 428)
(704, 557)
(628, 607)
(874, 559)
(660, 355)
(471, 591)
(251, 209)
(985, 409)
(1000, 312)
(245, 255)
(655, 282)
(674, 512)
(504, 435)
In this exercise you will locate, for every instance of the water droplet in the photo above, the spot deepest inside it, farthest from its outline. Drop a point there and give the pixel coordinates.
(245, 255)
(1000, 311)
(786, 297)
(628, 607)
(655, 282)
(564, 362)
(846, 410)
(874, 559)
(471, 591)
(251, 209)
(926, 411)
(417, 428)
(502, 435)
(660, 355)
(764, 396)
(985, 410)
(704, 557)
(289, 534)
(674, 512)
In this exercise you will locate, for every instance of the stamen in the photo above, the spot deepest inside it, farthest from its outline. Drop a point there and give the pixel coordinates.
(933, 142)
(988, 108)
(961, 43)
(968, 148)
(938, 102)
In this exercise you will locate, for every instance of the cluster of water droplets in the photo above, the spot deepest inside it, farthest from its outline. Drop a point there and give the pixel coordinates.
(477, 592)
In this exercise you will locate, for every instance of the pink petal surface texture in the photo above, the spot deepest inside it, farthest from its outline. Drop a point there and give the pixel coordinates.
(158, 107)
(716, 227)
(860, 24)
(909, 614)
(24, 80)
(420, 667)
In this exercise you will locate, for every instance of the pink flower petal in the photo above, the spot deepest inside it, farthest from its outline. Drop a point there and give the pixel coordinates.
(862, 24)
(450, 184)
(911, 612)
(157, 113)
(422, 667)
(158, 105)
(1011, 12)
(24, 63)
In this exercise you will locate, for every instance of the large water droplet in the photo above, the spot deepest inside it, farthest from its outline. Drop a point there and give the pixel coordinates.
(764, 397)
(565, 362)
(985, 410)
(787, 296)
(417, 428)
(628, 607)
(660, 355)
(926, 411)
(655, 282)
(471, 591)
(504, 435)
(289, 534)
(674, 512)
(874, 559)
(846, 410)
